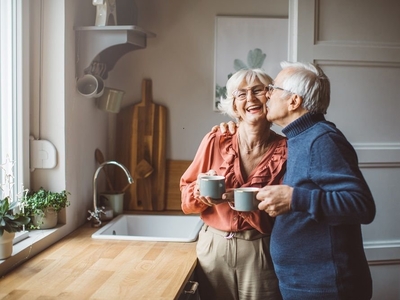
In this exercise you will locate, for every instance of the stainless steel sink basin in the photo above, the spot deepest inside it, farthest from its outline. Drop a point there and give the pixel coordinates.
(167, 228)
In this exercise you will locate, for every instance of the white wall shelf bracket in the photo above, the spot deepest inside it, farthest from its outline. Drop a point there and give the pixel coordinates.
(106, 44)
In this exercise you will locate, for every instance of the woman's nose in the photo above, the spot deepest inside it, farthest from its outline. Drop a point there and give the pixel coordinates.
(250, 95)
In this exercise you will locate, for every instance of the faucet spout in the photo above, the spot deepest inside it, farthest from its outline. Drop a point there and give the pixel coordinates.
(97, 212)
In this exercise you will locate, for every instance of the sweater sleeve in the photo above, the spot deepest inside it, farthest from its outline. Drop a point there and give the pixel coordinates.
(338, 193)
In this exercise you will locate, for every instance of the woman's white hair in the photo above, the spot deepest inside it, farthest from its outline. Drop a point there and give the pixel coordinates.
(227, 106)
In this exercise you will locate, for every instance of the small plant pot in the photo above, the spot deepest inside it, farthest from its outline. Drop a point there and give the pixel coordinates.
(6, 244)
(46, 220)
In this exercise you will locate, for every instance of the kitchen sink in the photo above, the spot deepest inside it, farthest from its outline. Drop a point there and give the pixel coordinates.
(165, 228)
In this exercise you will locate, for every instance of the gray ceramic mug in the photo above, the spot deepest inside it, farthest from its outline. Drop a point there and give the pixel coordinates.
(90, 86)
(212, 186)
(245, 199)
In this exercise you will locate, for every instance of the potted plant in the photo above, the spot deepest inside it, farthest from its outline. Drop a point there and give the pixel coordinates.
(12, 218)
(43, 207)
(10, 223)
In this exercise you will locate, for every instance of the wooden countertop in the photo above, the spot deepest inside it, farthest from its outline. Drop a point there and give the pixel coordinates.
(79, 267)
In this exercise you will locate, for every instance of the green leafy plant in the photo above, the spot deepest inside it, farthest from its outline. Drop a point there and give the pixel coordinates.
(37, 202)
(255, 59)
(10, 221)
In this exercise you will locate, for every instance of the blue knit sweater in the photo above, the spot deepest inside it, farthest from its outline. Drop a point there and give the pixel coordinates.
(317, 248)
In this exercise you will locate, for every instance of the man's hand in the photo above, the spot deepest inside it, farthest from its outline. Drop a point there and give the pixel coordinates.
(275, 199)
(226, 127)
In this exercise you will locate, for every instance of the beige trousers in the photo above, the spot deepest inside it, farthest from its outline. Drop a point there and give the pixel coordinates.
(237, 267)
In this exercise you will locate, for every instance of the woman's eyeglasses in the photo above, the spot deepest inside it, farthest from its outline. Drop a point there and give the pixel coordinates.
(257, 91)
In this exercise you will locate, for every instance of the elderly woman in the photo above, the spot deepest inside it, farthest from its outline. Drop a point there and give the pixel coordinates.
(233, 247)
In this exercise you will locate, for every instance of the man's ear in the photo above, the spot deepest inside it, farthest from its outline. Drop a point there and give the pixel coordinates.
(295, 102)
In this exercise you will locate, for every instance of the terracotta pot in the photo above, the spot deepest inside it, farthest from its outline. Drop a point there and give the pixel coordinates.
(46, 221)
(6, 244)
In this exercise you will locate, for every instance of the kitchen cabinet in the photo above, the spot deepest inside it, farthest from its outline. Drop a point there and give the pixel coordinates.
(105, 45)
(190, 291)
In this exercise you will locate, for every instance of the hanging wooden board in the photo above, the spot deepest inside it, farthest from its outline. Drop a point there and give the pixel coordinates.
(141, 135)
(175, 170)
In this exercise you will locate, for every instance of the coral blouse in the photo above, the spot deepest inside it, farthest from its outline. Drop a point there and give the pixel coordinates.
(220, 152)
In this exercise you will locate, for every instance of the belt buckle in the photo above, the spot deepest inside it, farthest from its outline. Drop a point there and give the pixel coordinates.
(230, 235)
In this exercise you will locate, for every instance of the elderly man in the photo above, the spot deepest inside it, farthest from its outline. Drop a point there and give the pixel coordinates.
(316, 242)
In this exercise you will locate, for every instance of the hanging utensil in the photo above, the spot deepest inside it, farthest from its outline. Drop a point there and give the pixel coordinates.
(100, 159)
(141, 128)
(142, 170)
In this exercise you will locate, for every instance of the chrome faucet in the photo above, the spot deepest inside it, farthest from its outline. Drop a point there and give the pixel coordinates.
(96, 213)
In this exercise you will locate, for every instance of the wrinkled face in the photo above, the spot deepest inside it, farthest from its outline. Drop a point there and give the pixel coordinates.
(278, 101)
(249, 101)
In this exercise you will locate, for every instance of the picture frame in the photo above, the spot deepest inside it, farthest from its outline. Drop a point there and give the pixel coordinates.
(247, 42)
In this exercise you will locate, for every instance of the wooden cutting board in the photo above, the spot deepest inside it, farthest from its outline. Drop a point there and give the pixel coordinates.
(141, 134)
(175, 170)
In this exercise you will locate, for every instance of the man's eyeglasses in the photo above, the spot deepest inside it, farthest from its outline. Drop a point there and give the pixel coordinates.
(257, 91)
(272, 87)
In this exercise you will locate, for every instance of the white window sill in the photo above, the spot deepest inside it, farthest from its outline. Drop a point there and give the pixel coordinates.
(20, 236)
(26, 248)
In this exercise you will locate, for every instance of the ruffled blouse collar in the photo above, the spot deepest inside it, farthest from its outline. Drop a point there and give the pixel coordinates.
(267, 170)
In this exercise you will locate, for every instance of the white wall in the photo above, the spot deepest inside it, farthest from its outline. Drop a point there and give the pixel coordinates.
(47, 89)
(72, 123)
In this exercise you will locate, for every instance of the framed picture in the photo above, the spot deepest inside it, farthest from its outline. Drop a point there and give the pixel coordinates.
(247, 43)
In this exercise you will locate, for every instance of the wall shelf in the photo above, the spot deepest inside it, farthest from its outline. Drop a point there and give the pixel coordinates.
(106, 44)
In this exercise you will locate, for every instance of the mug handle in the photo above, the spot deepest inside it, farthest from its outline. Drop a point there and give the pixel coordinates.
(232, 205)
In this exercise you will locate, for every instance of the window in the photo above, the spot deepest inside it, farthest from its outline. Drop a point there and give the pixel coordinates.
(14, 100)
(13, 97)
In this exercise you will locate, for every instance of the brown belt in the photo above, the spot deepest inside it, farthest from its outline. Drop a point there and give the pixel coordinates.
(250, 234)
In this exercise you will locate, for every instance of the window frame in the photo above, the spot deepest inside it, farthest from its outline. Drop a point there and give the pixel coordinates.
(14, 114)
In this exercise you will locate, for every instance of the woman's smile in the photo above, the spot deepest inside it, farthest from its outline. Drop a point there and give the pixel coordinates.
(254, 108)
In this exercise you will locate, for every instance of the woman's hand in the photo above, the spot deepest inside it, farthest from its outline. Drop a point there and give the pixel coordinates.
(229, 127)
(196, 192)
(226, 197)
